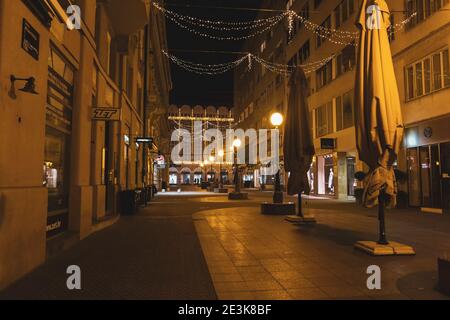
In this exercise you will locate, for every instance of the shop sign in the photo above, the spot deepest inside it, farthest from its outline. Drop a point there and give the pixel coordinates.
(328, 144)
(160, 162)
(106, 114)
(144, 140)
(56, 224)
(30, 40)
(428, 132)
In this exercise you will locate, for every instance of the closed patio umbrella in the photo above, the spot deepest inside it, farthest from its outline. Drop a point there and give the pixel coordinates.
(379, 125)
(298, 140)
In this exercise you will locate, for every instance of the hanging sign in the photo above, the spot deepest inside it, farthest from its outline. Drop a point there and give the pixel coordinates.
(106, 114)
(328, 144)
(30, 40)
(144, 140)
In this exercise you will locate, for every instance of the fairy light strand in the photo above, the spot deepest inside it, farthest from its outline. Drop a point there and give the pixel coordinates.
(216, 69)
(257, 27)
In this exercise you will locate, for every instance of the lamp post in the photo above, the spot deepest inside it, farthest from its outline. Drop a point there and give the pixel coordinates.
(212, 159)
(277, 120)
(237, 185)
(221, 155)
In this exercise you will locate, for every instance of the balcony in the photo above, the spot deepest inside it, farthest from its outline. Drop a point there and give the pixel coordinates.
(128, 18)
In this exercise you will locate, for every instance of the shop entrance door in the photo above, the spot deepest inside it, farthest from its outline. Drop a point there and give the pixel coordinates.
(424, 174)
(351, 170)
(445, 177)
(109, 170)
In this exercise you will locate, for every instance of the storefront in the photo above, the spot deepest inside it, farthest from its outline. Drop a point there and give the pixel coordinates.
(325, 175)
(198, 176)
(333, 175)
(211, 176)
(173, 176)
(224, 175)
(57, 141)
(186, 176)
(428, 165)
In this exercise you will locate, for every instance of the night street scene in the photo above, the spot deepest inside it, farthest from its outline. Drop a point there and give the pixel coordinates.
(229, 156)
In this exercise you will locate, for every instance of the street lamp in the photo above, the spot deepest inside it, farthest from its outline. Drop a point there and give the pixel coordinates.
(221, 154)
(277, 120)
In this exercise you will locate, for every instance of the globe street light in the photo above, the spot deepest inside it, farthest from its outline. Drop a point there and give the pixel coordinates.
(277, 120)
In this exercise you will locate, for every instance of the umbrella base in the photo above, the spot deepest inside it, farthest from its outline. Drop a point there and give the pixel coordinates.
(278, 208)
(301, 220)
(220, 190)
(237, 196)
(392, 249)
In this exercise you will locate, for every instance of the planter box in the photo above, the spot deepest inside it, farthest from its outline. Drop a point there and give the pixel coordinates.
(444, 275)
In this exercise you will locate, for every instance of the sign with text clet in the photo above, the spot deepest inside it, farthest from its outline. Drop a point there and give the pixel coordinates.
(106, 114)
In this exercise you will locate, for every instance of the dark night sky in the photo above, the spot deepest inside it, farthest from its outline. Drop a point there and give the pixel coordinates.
(195, 89)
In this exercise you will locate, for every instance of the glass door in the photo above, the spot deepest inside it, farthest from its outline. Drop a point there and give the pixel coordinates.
(351, 181)
(425, 175)
(414, 186)
(445, 175)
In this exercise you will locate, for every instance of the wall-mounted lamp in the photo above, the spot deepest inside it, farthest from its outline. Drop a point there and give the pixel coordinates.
(30, 86)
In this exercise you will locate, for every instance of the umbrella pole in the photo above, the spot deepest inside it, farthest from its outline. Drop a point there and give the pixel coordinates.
(300, 209)
(381, 216)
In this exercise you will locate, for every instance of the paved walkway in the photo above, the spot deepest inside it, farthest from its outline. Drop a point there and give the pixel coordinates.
(202, 246)
(251, 256)
(155, 255)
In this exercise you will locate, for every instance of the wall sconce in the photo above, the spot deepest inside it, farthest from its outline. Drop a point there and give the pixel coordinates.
(30, 86)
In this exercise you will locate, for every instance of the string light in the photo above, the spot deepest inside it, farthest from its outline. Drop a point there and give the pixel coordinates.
(221, 25)
(257, 27)
(290, 22)
(215, 69)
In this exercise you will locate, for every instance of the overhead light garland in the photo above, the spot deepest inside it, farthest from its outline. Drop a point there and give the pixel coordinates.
(260, 26)
(216, 69)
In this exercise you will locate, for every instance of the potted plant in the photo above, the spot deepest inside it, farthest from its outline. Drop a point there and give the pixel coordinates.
(444, 274)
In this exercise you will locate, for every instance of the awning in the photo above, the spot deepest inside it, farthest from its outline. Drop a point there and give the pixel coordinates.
(128, 16)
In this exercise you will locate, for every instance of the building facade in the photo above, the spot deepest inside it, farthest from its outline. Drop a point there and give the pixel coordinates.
(420, 52)
(200, 167)
(68, 138)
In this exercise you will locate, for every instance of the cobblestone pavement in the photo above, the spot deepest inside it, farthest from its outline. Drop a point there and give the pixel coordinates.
(195, 245)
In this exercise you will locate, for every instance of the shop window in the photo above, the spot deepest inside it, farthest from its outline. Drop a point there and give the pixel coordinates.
(57, 141)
